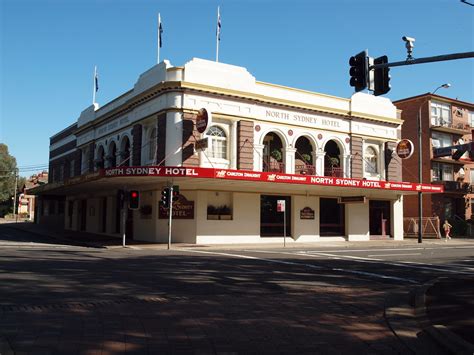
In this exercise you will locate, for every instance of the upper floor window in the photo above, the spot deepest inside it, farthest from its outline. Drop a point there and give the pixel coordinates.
(440, 140)
(371, 160)
(471, 118)
(217, 143)
(442, 172)
(440, 114)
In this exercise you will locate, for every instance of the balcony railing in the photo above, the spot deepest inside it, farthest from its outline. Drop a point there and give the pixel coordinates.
(455, 186)
(305, 169)
(274, 166)
(455, 124)
(334, 172)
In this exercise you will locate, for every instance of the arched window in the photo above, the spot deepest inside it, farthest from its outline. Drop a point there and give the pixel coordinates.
(217, 143)
(371, 160)
(152, 145)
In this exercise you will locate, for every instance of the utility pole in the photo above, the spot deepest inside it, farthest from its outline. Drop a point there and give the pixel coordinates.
(14, 194)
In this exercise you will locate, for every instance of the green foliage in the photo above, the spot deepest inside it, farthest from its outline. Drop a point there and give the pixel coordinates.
(7, 173)
(276, 154)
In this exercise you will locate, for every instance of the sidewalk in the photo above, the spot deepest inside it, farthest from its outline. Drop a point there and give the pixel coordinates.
(440, 312)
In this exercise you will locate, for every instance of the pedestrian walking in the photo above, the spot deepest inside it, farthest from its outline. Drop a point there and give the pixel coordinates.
(447, 229)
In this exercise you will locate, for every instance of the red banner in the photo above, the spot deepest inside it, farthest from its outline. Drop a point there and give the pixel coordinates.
(248, 175)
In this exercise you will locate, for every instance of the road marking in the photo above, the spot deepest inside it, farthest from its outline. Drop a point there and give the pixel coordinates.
(394, 254)
(373, 275)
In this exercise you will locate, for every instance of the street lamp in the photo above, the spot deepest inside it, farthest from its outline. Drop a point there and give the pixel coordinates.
(420, 161)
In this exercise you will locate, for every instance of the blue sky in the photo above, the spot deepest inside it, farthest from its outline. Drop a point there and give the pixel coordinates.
(49, 49)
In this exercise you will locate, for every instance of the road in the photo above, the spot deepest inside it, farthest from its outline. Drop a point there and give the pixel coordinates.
(67, 299)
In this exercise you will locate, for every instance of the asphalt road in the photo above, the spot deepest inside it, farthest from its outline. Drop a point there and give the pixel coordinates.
(58, 298)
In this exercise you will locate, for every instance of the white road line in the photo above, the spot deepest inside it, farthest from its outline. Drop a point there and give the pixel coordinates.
(406, 264)
(393, 254)
(373, 275)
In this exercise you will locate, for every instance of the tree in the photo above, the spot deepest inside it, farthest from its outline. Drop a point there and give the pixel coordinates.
(8, 170)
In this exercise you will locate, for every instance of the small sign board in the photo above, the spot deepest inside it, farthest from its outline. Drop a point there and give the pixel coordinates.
(202, 144)
(307, 213)
(405, 148)
(281, 205)
(352, 199)
(203, 120)
(182, 209)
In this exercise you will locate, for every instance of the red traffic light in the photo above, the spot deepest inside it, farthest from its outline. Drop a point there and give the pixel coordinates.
(134, 194)
(134, 200)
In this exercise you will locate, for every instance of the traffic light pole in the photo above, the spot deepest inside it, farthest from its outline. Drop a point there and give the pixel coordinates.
(438, 58)
(170, 216)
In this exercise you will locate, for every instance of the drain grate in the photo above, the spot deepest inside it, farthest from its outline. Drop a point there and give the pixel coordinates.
(88, 304)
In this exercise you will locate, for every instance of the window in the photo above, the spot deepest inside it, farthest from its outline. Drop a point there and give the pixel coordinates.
(370, 158)
(440, 114)
(442, 172)
(217, 143)
(440, 140)
(71, 168)
(152, 146)
(471, 118)
(471, 176)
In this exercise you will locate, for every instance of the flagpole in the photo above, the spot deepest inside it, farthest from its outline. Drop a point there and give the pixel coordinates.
(94, 85)
(218, 32)
(159, 38)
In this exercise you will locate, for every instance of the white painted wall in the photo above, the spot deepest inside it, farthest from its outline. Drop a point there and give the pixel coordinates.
(92, 215)
(397, 219)
(357, 221)
(144, 227)
(243, 228)
(305, 230)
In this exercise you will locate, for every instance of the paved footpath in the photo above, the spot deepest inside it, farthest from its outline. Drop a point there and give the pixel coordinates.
(79, 300)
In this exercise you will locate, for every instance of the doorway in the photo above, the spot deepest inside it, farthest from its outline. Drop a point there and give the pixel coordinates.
(271, 221)
(379, 218)
(331, 214)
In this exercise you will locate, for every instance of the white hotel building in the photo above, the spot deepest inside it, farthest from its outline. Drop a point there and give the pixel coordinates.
(330, 159)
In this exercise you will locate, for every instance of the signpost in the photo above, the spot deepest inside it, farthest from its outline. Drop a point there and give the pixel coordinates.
(281, 208)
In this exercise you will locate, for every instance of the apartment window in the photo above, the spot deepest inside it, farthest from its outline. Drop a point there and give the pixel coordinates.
(471, 118)
(442, 172)
(371, 161)
(440, 114)
(440, 140)
(218, 143)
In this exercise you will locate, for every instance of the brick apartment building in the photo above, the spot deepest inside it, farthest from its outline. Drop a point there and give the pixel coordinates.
(446, 155)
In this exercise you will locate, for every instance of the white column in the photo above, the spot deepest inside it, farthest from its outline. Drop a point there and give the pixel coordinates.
(174, 138)
(357, 221)
(233, 145)
(397, 218)
(290, 160)
(258, 157)
(347, 165)
(319, 162)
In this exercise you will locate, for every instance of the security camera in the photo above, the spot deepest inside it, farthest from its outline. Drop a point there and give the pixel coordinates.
(409, 46)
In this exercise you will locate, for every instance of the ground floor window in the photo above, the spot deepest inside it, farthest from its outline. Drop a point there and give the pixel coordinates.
(271, 221)
(331, 217)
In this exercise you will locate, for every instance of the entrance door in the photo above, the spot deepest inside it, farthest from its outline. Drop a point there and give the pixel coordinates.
(379, 218)
(331, 215)
(271, 221)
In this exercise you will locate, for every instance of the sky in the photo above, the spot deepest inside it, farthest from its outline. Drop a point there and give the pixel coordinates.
(49, 49)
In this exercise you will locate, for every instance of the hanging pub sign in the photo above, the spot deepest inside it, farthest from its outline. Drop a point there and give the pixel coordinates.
(307, 213)
(405, 149)
(203, 120)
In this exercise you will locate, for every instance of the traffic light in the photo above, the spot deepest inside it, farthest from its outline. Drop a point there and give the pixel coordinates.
(381, 77)
(134, 200)
(358, 71)
(175, 192)
(165, 197)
